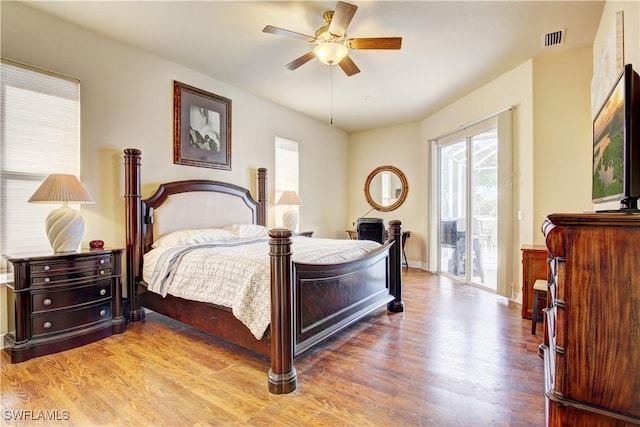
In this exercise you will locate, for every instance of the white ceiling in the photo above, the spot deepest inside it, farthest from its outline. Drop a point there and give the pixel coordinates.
(449, 47)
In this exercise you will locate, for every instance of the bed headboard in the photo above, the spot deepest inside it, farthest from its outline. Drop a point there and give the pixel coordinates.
(183, 205)
(191, 204)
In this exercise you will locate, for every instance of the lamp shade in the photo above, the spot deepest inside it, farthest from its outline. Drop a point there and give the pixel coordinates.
(289, 198)
(61, 188)
(290, 216)
(331, 53)
(64, 225)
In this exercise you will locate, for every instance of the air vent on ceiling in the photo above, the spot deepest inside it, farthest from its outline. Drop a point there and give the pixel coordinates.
(553, 38)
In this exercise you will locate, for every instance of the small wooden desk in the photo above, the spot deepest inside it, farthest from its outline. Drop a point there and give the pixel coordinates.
(353, 235)
(534, 267)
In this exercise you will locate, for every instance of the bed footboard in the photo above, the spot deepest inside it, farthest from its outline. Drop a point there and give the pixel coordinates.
(312, 302)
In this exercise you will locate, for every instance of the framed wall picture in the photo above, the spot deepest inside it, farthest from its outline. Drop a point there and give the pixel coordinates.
(610, 65)
(202, 128)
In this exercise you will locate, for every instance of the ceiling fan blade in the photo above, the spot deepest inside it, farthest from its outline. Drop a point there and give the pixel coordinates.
(348, 66)
(287, 33)
(341, 18)
(300, 61)
(376, 43)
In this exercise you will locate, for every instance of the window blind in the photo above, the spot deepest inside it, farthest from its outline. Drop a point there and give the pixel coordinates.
(40, 133)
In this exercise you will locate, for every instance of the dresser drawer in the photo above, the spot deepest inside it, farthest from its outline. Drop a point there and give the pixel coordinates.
(52, 322)
(71, 276)
(63, 266)
(42, 301)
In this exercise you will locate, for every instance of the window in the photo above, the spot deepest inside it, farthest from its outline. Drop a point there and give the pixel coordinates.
(40, 131)
(286, 176)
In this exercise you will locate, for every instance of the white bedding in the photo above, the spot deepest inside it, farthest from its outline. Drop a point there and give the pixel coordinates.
(234, 273)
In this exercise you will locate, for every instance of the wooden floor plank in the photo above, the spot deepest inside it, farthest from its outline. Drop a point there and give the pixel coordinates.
(457, 356)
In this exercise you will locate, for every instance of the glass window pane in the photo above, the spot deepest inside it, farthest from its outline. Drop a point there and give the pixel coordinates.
(40, 125)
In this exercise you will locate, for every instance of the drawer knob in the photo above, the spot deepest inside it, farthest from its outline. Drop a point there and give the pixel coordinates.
(103, 312)
(47, 301)
(102, 272)
(47, 280)
(46, 268)
(103, 291)
(47, 325)
(101, 261)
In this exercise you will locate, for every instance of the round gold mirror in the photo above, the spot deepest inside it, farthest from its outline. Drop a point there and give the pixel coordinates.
(386, 188)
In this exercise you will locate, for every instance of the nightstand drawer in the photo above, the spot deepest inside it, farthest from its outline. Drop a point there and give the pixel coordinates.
(64, 320)
(71, 276)
(57, 267)
(47, 301)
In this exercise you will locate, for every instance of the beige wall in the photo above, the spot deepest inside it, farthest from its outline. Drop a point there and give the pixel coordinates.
(127, 101)
(393, 146)
(562, 135)
(563, 118)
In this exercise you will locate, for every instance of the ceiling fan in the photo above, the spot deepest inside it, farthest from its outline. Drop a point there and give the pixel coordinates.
(332, 44)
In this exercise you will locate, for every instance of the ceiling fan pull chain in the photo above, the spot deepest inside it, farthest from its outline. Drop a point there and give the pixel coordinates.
(331, 90)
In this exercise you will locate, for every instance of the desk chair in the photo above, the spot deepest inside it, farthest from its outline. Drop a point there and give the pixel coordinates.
(371, 229)
(539, 296)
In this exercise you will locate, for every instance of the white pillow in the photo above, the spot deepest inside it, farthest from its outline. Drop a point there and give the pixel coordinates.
(193, 237)
(247, 230)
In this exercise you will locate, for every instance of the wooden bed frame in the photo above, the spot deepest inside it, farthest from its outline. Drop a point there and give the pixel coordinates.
(309, 302)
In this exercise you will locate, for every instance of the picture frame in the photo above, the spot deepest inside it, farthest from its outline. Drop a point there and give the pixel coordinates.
(202, 128)
(610, 65)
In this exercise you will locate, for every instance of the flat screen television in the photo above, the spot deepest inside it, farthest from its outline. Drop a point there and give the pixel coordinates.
(616, 145)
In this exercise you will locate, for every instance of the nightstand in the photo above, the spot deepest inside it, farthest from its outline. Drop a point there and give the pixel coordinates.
(63, 301)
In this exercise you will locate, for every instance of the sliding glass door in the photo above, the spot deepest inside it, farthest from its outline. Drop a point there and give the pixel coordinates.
(468, 208)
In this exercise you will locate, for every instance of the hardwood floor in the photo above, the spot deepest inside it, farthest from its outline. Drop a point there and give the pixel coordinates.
(458, 356)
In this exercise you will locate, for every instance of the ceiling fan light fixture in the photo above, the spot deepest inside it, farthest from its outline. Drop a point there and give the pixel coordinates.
(331, 53)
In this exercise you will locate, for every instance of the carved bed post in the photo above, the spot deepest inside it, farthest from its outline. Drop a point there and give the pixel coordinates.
(132, 163)
(282, 375)
(397, 305)
(263, 197)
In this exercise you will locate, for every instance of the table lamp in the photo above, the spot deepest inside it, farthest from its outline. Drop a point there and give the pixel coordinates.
(64, 225)
(290, 216)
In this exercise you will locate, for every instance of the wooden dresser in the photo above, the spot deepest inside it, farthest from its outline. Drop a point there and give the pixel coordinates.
(61, 301)
(592, 360)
